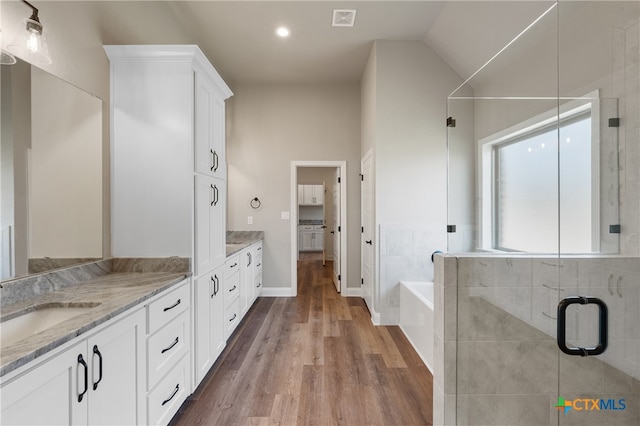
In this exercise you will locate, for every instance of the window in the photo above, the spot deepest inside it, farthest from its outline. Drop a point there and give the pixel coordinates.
(541, 175)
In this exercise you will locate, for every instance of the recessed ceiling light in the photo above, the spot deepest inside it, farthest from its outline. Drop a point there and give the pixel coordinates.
(282, 32)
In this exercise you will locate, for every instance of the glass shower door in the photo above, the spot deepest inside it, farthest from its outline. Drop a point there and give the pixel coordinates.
(598, 312)
(543, 222)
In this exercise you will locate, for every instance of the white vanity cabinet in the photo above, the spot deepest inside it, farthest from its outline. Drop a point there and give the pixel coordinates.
(209, 320)
(168, 176)
(250, 270)
(168, 353)
(98, 380)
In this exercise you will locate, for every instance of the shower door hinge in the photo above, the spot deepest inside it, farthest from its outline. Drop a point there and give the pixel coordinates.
(614, 229)
(451, 229)
(451, 122)
(614, 122)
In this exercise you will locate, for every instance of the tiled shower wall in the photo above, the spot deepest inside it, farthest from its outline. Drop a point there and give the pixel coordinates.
(496, 357)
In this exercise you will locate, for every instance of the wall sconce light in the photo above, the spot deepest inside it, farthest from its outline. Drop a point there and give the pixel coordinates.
(30, 43)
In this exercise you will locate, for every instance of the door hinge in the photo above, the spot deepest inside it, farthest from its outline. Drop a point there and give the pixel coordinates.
(339, 277)
(362, 229)
(362, 281)
(451, 122)
(339, 228)
(614, 122)
(339, 179)
(361, 177)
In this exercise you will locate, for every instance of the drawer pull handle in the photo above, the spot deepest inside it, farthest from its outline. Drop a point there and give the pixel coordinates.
(234, 265)
(86, 377)
(175, 391)
(97, 352)
(258, 265)
(259, 248)
(175, 342)
(232, 288)
(172, 306)
(259, 284)
(233, 317)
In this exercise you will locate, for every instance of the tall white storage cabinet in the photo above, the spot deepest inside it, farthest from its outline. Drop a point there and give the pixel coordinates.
(168, 173)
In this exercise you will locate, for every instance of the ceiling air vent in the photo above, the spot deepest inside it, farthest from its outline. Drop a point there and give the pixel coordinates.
(343, 17)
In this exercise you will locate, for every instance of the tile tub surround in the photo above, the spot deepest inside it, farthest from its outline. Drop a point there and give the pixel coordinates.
(405, 255)
(105, 282)
(493, 306)
(239, 240)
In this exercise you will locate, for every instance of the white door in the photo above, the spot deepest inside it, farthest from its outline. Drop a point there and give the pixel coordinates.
(367, 230)
(336, 230)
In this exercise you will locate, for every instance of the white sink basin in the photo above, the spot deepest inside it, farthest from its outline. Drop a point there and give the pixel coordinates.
(44, 317)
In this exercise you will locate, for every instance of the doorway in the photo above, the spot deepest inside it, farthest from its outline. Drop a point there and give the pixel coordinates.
(318, 217)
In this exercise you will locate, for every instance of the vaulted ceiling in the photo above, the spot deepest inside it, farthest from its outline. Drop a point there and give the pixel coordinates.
(239, 36)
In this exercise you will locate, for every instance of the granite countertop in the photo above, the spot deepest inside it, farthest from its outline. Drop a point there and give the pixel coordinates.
(239, 240)
(310, 222)
(108, 295)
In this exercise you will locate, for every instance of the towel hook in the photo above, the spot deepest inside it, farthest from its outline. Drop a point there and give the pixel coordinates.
(255, 203)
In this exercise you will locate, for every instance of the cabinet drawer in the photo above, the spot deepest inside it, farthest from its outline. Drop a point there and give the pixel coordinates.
(257, 286)
(258, 263)
(163, 402)
(167, 307)
(306, 227)
(166, 347)
(318, 227)
(231, 317)
(231, 290)
(232, 265)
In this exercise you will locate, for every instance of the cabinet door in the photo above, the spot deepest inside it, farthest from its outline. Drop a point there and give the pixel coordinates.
(318, 194)
(209, 327)
(116, 374)
(210, 239)
(209, 129)
(318, 240)
(48, 394)
(307, 241)
(246, 280)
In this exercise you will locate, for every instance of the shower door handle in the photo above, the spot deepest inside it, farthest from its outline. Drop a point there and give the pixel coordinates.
(562, 322)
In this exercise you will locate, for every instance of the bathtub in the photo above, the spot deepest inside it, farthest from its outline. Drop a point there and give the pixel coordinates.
(416, 317)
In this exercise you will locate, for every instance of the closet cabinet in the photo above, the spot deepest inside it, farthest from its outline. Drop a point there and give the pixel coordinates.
(310, 195)
(168, 171)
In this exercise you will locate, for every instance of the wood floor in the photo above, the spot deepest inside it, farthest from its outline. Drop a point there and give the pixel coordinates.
(315, 359)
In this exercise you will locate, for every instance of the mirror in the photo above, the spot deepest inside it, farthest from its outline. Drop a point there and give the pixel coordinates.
(50, 173)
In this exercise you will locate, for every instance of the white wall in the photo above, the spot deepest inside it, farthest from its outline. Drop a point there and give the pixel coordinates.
(404, 104)
(270, 125)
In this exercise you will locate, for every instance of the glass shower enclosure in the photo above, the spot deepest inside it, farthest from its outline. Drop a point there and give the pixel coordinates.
(540, 287)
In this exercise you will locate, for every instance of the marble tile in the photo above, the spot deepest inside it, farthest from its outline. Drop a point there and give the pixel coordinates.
(147, 264)
(514, 410)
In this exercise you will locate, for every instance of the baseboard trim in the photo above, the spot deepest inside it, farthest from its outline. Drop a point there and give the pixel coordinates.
(375, 318)
(277, 292)
(352, 292)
